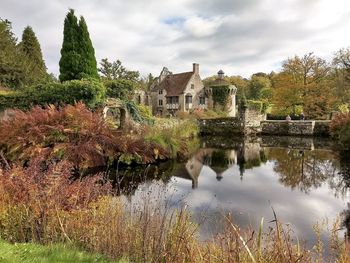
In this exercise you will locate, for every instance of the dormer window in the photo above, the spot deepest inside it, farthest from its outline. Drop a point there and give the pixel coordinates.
(160, 92)
(192, 86)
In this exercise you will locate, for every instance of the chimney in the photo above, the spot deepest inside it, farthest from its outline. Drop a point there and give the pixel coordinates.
(195, 68)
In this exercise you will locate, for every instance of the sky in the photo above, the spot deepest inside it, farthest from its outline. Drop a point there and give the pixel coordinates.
(241, 37)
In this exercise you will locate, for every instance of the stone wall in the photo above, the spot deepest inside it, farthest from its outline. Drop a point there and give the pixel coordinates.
(282, 127)
(252, 122)
(248, 122)
(222, 126)
(295, 128)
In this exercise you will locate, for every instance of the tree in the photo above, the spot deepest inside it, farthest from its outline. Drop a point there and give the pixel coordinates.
(341, 73)
(146, 82)
(77, 54)
(310, 85)
(307, 69)
(12, 65)
(115, 70)
(287, 96)
(87, 52)
(31, 49)
(70, 51)
(241, 84)
(120, 88)
(259, 87)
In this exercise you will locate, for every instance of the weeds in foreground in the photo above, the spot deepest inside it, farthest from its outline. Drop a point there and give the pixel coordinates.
(175, 137)
(28, 253)
(46, 207)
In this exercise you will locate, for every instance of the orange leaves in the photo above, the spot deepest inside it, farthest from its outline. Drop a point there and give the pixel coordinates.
(73, 133)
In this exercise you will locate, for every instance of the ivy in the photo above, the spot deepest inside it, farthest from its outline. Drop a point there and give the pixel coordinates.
(221, 94)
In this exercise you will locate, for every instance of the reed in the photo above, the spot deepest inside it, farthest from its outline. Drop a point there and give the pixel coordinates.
(46, 207)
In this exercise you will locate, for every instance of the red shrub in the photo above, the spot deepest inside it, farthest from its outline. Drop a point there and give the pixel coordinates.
(73, 133)
(50, 187)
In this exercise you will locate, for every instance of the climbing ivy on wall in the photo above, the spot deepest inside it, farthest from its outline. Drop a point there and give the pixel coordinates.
(221, 94)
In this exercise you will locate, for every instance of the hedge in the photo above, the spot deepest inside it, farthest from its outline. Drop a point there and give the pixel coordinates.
(91, 92)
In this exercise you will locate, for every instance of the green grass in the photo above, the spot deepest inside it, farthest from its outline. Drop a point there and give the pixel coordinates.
(29, 252)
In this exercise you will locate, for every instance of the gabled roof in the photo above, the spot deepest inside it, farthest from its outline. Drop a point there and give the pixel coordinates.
(174, 84)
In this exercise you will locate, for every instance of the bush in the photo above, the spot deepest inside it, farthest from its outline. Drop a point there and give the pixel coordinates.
(139, 113)
(258, 105)
(120, 88)
(89, 91)
(340, 129)
(73, 133)
(172, 138)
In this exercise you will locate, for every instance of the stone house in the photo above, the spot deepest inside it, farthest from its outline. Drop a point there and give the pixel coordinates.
(181, 92)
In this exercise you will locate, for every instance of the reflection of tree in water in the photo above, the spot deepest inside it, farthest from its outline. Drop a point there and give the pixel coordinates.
(303, 169)
(341, 183)
(126, 181)
(245, 161)
(346, 221)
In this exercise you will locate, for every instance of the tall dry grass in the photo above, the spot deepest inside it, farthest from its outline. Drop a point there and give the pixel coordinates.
(45, 206)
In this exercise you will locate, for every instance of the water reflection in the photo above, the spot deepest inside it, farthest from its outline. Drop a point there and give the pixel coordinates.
(304, 179)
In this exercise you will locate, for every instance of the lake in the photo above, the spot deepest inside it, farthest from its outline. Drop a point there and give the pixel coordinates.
(305, 180)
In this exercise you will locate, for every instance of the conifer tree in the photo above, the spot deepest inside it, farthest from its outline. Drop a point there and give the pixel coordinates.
(70, 56)
(87, 52)
(77, 53)
(30, 48)
(12, 68)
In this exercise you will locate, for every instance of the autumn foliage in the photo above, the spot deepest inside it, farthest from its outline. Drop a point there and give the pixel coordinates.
(340, 129)
(73, 133)
(31, 199)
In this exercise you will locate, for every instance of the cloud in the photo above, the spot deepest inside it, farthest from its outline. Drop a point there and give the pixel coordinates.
(239, 36)
(200, 27)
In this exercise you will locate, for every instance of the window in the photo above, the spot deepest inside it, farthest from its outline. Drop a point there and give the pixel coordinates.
(201, 100)
(160, 102)
(188, 99)
(192, 86)
(172, 100)
(160, 92)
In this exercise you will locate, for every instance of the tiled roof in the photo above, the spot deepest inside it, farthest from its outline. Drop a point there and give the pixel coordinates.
(174, 84)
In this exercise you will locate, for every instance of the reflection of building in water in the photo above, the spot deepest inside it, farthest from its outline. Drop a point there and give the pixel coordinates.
(250, 155)
(246, 156)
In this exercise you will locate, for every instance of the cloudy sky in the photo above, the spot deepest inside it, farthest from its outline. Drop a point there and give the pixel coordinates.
(239, 36)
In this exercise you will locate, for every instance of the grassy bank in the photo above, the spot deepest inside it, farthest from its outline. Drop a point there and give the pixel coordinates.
(30, 253)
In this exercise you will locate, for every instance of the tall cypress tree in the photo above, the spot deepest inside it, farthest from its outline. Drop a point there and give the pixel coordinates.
(12, 65)
(70, 51)
(30, 47)
(77, 53)
(87, 52)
